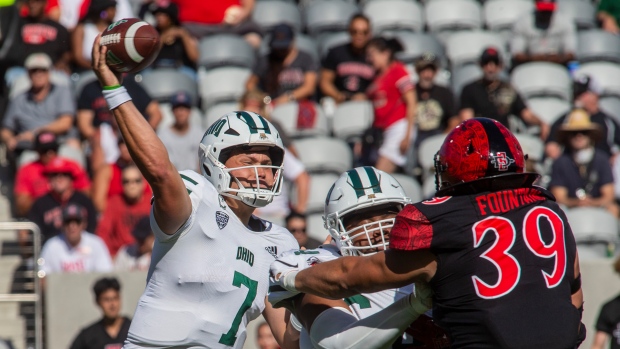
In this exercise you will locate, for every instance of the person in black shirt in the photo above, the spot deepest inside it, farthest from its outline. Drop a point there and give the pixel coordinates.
(345, 74)
(492, 98)
(608, 322)
(435, 103)
(586, 92)
(111, 331)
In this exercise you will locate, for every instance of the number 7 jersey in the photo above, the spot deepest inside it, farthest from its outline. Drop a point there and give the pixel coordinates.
(505, 266)
(209, 279)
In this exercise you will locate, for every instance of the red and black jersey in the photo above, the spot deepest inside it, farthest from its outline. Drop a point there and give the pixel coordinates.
(505, 265)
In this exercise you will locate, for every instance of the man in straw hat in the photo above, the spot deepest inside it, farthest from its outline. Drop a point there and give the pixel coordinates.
(582, 175)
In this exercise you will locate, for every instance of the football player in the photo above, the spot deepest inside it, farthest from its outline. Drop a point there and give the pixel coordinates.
(359, 213)
(497, 251)
(209, 271)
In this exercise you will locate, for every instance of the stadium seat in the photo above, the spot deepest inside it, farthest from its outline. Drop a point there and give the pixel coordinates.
(268, 14)
(22, 83)
(303, 42)
(394, 15)
(453, 15)
(162, 84)
(81, 80)
(611, 106)
(500, 15)
(426, 153)
(532, 146)
(196, 118)
(327, 42)
(417, 44)
(225, 50)
(598, 45)
(542, 79)
(286, 116)
(593, 224)
(216, 111)
(606, 74)
(324, 154)
(582, 12)
(412, 188)
(428, 187)
(593, 250)
(351, 119)
(328, 16)
(548, 109)
(319, 187)
(315, 227)
(463, 76)
(224, 84)
(465, 47)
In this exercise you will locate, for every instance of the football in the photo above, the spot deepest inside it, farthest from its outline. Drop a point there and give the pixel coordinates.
(132, 45)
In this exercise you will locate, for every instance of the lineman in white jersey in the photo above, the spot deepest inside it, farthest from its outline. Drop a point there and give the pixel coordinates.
(210, 266)
(359, 212)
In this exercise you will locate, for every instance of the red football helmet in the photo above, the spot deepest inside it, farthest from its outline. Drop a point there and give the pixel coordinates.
(480, 154)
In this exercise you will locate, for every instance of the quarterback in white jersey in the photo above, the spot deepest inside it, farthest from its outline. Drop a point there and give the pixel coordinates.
(210, 264)
(359, 214)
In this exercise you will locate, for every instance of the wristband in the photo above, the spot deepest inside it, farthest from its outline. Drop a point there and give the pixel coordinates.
(295, 323)
(115, 97)
(288, 281)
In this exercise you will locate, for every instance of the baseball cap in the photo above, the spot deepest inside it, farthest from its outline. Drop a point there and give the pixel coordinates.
(181, 98)
(59, 165)
(545, 5)
(38, 61)
(490, 54)
(427, 60)
(45, 141)
(282, 36)
(73, 211)
(142, 229)
(585, 83)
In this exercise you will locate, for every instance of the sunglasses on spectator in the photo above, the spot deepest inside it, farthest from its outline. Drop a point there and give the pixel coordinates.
(37, 70)
(357, 31)
(132, 181)
(72, 220)
(574, 133)
(59, 174)
(298, 230)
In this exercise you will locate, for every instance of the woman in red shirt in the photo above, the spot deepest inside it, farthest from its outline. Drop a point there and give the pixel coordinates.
(394, 100)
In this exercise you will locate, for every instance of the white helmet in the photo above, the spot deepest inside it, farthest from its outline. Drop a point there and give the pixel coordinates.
(241, 130)
(355, 190)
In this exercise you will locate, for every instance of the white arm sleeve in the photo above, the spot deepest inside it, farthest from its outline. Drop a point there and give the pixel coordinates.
(337, 328)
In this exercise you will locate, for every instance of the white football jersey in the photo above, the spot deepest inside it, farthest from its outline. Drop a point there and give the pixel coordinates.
(209, 279)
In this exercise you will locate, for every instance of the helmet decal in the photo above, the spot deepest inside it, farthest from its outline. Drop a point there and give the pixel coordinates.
(249, 120)
(371, 179)
(216, 128)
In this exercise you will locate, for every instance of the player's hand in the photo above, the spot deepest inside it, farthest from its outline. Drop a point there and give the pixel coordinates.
(106, 76)
(421, 299)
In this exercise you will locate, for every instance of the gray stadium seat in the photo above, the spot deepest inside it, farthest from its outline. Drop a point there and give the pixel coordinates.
(162, 84)
(542, 79)
(598, 45)
(548, 109)
(268, 14)
(315, 227)
(532, 146)
(582, 12)
(412, 188)
(465, 47)
(225, 50)
(303, 42)
(394, 15)
(351, 119)
(286, 116)
(593, 224)
(324, 154)
(593, 251)
(428, 187)
(216, 111)
(328, 16)
(81, 80)
(611, 106)
(463, 76)
(606, 74)
(417, 44)
(500, 15)
(451, 15)
(327, 42)
(426, 153)
(319, 187)
(224, 84)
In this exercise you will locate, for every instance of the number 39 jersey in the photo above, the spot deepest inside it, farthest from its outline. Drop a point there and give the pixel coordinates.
(505, 264)
(209, 279)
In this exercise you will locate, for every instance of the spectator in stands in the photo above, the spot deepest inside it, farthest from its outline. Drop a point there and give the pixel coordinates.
(265, 338)
(100, 15)
(111, 331)
(493, 98)
(586, 91)
(202, 18)
(107, 179)
(124, 211)
(179, 48)
(44, 107)
(75, 250)
(137, 256)
(296, 224)
(608, 322)
(436, 107)
(46, 210)
(51, 10)
(608, 13)
(180, 138)
(582, 176)
(294, 173)
(393, 96)
(286, 74)
(345, 73)
(546, 35)
(31, 183)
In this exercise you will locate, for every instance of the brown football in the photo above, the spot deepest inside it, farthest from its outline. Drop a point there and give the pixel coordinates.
(132, 45)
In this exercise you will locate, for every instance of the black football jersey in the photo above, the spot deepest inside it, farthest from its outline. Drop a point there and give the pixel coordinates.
(505, 264)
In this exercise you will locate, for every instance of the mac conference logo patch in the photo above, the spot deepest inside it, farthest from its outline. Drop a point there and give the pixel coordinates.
(221, 218)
